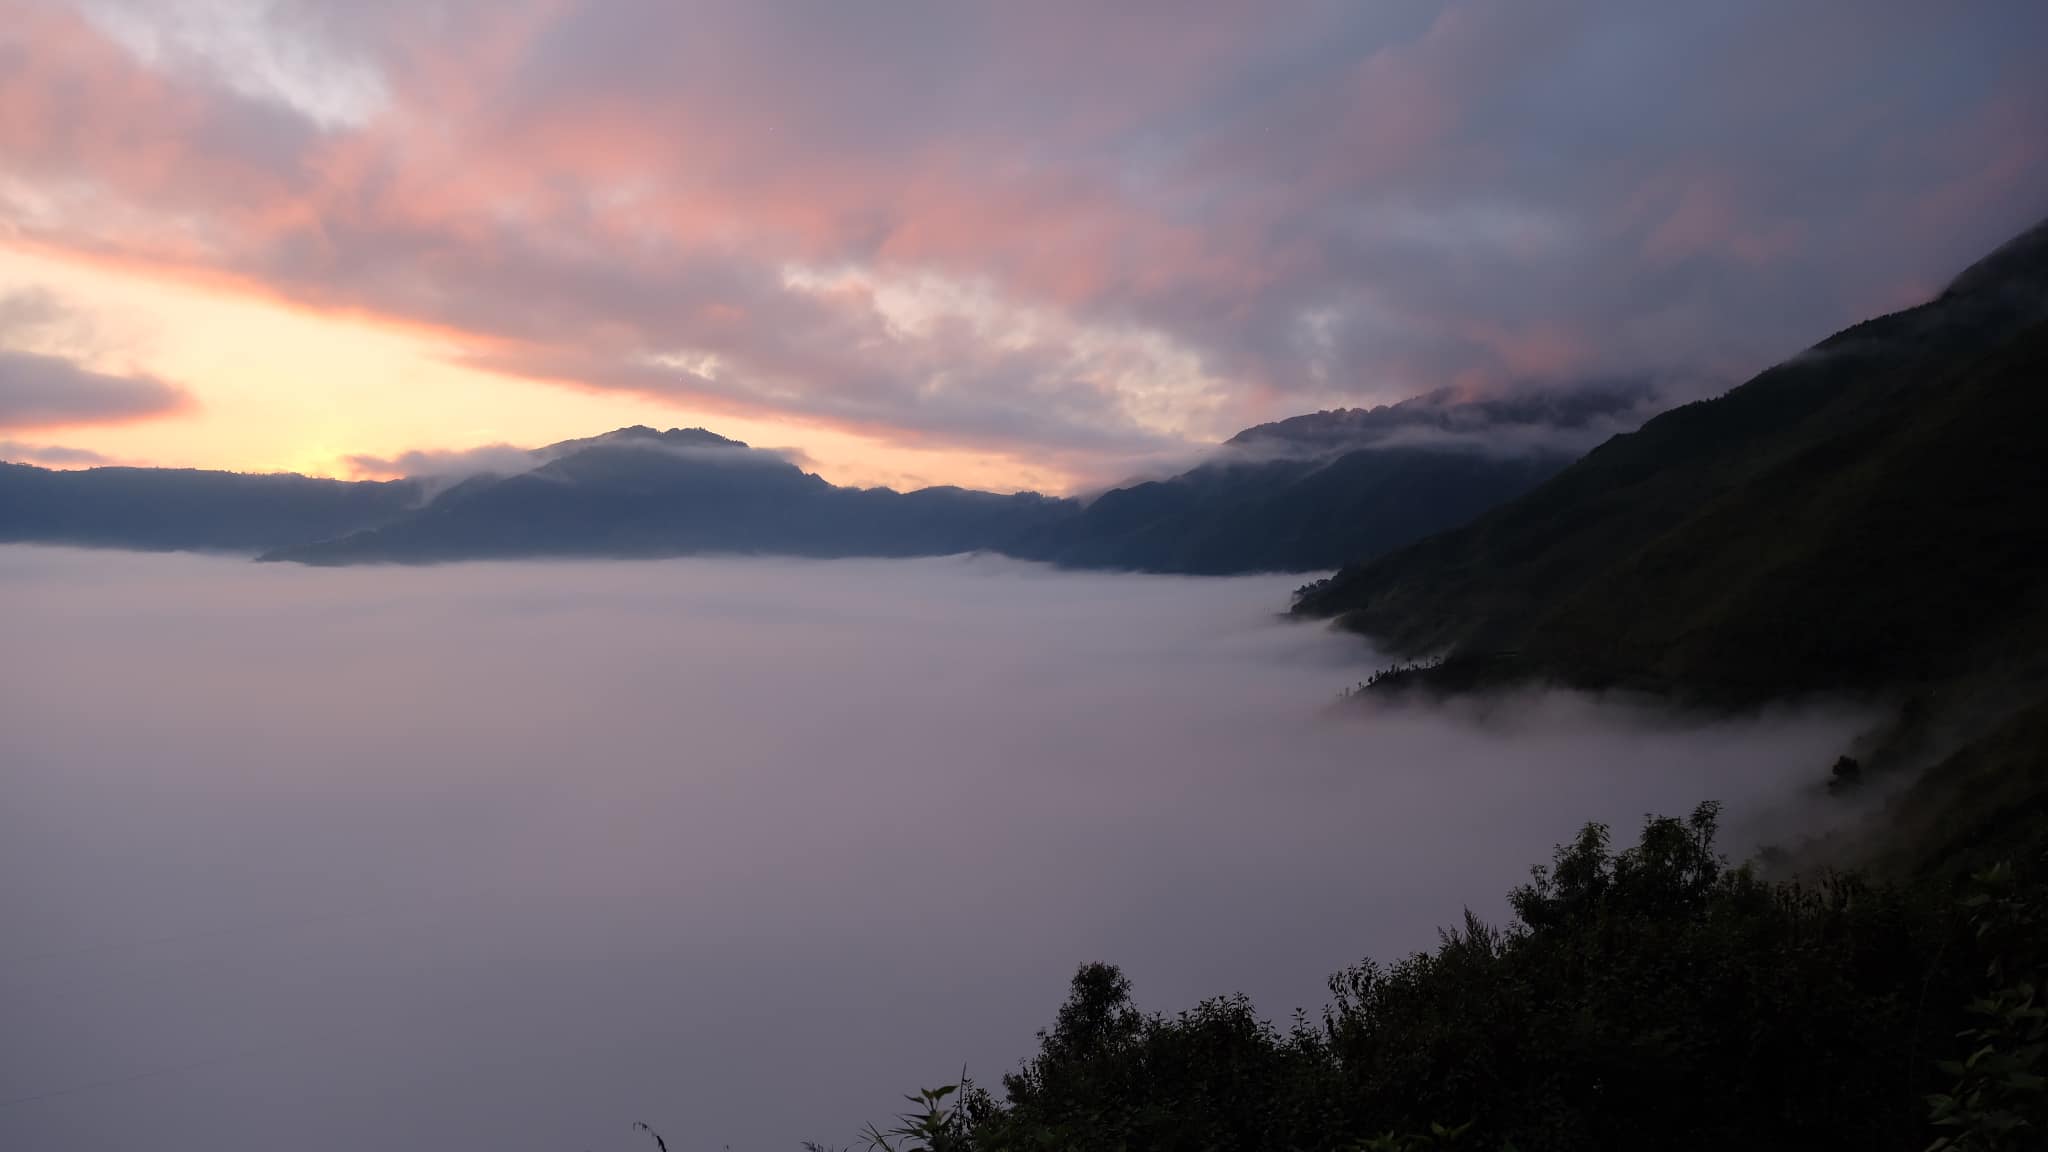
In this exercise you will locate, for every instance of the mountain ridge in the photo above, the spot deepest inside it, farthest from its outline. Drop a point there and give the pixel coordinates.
(1858, 518)
(180, 509)
(1305, 494)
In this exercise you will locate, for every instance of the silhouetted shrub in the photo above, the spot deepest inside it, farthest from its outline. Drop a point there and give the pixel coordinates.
(1652, 997)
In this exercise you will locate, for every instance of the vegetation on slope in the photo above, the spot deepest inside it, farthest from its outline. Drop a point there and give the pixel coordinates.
(1652, 997)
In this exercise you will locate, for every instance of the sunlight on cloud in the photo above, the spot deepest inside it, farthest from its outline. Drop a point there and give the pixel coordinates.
(697, 363)
(27, 206)
(261, 49)
(1158, 384)
(280, 387)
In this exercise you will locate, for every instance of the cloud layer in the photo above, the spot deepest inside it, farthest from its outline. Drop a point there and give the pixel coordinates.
(47, 391)
(510, 856)
(50, 455)
(45, 346)
(1055, 229)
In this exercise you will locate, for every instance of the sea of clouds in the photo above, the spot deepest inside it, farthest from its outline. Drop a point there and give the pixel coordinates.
(510, 856)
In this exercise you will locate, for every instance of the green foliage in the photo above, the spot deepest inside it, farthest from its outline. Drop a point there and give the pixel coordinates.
(1649, 998)
(1108, 1076)
(1999, 1101)
(931, 1126)
(1437, 1137)
(1646, 997)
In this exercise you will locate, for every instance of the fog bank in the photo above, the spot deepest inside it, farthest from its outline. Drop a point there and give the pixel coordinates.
(509, 856)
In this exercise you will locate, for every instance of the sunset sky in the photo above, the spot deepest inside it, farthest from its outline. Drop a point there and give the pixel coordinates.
(1036, 245)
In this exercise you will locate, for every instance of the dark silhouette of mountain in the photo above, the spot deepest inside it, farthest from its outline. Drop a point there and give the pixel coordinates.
(640, 492)
(1318, 491)
(1870, 514)
(1286, 515)
(183, 508)
(1298, 495)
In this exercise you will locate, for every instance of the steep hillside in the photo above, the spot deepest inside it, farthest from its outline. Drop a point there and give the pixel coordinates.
(1866, 515)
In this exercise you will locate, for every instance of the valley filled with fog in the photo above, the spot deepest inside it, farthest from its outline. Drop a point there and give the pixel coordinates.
(510, 856)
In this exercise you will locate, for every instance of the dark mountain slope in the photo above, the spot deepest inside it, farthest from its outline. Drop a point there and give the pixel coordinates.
(1287, 515)
(1317, 491)
(182, 508)
(1868, 514)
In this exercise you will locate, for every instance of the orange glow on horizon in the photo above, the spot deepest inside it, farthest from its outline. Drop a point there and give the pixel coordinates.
(286, 386)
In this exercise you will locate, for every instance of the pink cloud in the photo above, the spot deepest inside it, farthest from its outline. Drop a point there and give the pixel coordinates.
(572, 191)
(1697, 216)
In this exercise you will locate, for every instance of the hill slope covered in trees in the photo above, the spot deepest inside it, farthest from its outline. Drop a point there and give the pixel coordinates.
(1866, 515)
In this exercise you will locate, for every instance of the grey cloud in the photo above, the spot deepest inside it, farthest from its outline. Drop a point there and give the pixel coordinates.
(1536, 417)
(292, 54)
(56, 455)
(29, 311)
(502, 459)
(41, 391)
(36, 319)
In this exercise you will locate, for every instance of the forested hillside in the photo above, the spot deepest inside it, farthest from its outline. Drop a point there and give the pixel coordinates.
(1866, 515)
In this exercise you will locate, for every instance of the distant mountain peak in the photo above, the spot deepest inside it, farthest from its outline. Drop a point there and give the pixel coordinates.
(641, 434)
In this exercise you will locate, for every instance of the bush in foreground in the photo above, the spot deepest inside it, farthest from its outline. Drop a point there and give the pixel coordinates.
(1647, 998)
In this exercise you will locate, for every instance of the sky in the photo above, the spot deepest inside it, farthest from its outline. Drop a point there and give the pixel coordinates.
(1035, 245)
